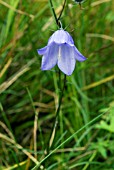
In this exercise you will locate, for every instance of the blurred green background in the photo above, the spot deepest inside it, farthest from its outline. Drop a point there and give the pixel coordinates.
(29, 96)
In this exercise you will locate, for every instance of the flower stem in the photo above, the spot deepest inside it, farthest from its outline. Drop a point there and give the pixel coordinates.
(54, 13)
(62, 10)
(53, 10)
(52, 134)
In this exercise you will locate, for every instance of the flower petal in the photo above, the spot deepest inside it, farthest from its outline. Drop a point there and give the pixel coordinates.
(42, 51)
(49, 60)
(61, 37)
(78, 55)
(66, 59)
(70, 40)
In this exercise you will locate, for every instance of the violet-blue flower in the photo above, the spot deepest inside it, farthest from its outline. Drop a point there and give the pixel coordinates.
(60, 50)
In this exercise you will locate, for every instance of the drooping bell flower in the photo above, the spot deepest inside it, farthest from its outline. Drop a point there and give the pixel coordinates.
(60, 50)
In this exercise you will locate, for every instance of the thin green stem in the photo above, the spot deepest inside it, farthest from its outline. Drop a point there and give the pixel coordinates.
(62, 10)
(53, 10)
(54, 13)
(53, 131)
(59, 81)
(61, 96)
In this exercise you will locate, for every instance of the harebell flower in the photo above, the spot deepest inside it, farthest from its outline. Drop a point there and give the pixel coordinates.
(60, 50)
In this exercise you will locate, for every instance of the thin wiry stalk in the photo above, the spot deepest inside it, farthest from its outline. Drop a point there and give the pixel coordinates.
(53, 10)
(54, 13)
(53, 131)
(62, 10)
